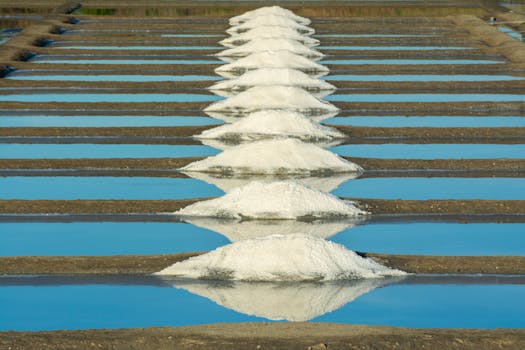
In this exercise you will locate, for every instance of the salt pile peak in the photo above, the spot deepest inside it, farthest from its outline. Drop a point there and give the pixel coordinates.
(280, 200)
(281, 258)
(287, 156)
(270, 20)
(258, 98)
(271, 124)
(271, 77)
(271, 59)
(268, 10)
(265, 32)
(265, 44)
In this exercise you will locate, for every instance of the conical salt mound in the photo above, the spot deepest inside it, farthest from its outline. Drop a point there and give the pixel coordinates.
(268, 10)
(259, 45)
(267, 32)
(281, 258)
(271, 97)
(270, 20)
(272, 59)
(272, 77)
(286, 156)
(283, 200)
(272, 123)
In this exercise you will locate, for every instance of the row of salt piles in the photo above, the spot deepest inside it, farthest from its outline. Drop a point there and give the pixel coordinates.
(272, 111)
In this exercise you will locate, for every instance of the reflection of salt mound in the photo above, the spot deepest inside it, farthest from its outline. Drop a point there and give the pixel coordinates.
(286, 156)
(277, 301)
(258, 45)
(266, 32)
(280, 258)
(270, 20)
(268, 10)
(272, 77)
(271, 59)
(271, 97)
(227, 182)
(236, 230)
(273, 201)
(272, 123)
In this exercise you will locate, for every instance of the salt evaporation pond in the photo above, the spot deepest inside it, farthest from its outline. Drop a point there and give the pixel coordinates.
(431, 151)
(428, 97)
(22, 75)
(136, 47)
(86, 150)
(390, 48)
(105, 121)
(398, 61)
(93, 187)
(44, 59)
(421, 77)
(108, 97)
(433, 188)
(47, 303)
(428, 121)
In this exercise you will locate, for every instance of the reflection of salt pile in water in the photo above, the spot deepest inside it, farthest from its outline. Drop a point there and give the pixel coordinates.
(272, 123)
(280, 258)
(271, 97)
(286, 156)
(266, 32)
(278, 301)
(268, 10)
(273, 201)
(273, 77)
(238, 230)
(271, 59)
(258, 45)
(270, 20)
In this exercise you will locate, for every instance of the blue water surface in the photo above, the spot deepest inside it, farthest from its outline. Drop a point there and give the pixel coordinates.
(441, 121)
(113, 77)
(108, 97)
(425, 97)
(421, 77)
(105, 121)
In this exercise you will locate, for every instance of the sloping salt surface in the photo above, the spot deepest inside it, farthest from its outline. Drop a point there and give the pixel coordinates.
(228, 182)
(268, 32)
(224, 144)
(268, 10)
(295, 302)
(270, 20)
(272, 123)
(236, 230)
(287, 156)
(258, 45)
(272, 77)
(272, 59)
(284, 200)
(289, 98)
(296, 257)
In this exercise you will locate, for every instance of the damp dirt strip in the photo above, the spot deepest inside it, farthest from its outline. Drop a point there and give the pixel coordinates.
(265, 335)
(147, 264)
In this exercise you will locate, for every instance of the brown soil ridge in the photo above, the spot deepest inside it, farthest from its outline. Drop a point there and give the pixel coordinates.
(265, 335)
(147, 264)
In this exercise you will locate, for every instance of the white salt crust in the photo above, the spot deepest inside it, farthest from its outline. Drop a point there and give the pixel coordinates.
(270, 20)
(267, 32)
(295, 257)
(272, 77)
(268, 10)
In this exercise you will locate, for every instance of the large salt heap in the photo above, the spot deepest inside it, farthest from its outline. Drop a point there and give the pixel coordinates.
(270, 20)
(268, 10)
(267, 32)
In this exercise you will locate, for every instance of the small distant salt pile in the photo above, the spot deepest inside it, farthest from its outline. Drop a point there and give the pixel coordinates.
(268, 10)
(272, 77)
(271, 59)
(286, 156)
(284, 200)
(281, 258)
(270, 20)
(258, 45)
(266, 32)
(259, 98)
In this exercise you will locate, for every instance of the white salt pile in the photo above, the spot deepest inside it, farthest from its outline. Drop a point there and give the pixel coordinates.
(272, 77)
(272, 124)
(286, 156)
(281, 258)
(268, 10)
(284, 200)
(270, 20)
(289, 98)
(236, 230)
(259, 45)
(271, 59)
(266, 32)
(296, 302)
